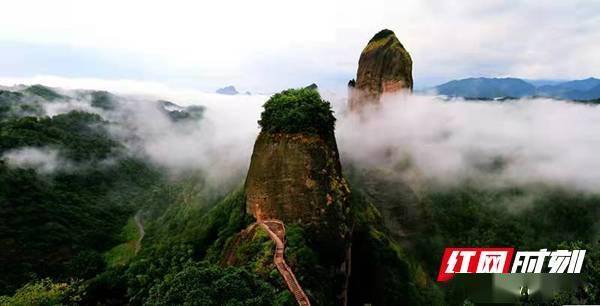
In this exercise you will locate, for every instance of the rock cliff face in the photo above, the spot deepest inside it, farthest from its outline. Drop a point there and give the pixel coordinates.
(337, 243)
(295, 173)
(384, 66)
(296, 178)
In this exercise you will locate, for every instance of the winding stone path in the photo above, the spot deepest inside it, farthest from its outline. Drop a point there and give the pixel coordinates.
(276, 231)
(142, 232)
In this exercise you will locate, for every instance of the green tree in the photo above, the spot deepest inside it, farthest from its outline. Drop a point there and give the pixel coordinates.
(41, 293)
(205, 284)
(297, 111)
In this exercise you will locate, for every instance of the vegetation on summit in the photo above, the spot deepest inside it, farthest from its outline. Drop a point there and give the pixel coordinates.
(67, 235)
(297, 111)
(381, 34)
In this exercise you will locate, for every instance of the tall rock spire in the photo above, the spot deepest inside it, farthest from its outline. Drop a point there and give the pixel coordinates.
(295, 177)
(384, 66)
(295, 173)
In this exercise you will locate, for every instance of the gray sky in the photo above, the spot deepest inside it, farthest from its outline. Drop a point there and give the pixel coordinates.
(265, 46)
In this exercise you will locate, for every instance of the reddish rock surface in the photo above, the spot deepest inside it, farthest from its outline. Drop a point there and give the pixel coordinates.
(384, 67)
(297, 178)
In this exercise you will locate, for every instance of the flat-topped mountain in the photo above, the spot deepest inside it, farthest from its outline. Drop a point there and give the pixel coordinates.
(486, 88)
(295, 173)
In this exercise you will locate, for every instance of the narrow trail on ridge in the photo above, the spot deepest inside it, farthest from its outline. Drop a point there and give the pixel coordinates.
(276, 231)
(140, 226)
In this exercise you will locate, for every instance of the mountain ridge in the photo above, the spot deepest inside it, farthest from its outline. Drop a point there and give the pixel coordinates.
(510, 87)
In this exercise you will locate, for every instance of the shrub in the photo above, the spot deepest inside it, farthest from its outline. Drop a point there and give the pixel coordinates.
(297, 111)
(41, 293)
(381, 34)
(87, 264)
(205, 284)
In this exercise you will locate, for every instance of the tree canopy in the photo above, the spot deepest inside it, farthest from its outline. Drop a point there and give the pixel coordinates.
(297, 111)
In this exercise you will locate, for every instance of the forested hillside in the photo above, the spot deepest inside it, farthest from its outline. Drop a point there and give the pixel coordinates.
(88, 217)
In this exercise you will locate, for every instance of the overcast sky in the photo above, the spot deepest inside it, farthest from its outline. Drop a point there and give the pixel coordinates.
(265, 46)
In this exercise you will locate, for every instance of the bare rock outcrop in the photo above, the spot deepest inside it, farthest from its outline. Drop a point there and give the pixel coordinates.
(384, 66)
(295, 176)
(295, 173)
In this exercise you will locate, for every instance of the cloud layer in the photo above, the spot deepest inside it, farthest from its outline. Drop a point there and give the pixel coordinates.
(268, 46)
(497, 143)
(219, 144)
(528, 141)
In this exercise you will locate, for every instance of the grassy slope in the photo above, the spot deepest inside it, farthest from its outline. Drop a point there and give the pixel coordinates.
(121, 254)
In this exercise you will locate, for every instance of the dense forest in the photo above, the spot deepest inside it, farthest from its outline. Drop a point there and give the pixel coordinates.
(75, 200)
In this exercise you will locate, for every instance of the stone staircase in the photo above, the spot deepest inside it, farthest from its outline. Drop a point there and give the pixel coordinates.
(276, 231)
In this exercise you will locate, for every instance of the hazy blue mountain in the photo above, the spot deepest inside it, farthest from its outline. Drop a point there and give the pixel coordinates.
(493, 88)
(228, 90)
(544, 82)
(574, 90)
(592, 94)
(582, 85)
(488, 88)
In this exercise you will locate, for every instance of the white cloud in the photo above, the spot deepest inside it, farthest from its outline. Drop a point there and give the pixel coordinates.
(496, 143)
(219, 145)
(528, 141)
(223, 40)
(136, 88)
(44, 160)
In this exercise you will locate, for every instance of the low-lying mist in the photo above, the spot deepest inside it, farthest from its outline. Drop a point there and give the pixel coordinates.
(527, 141)
(44, 160)
(219, 143)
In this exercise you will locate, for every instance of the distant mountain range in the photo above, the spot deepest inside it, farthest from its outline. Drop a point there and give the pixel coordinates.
(492, 88)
